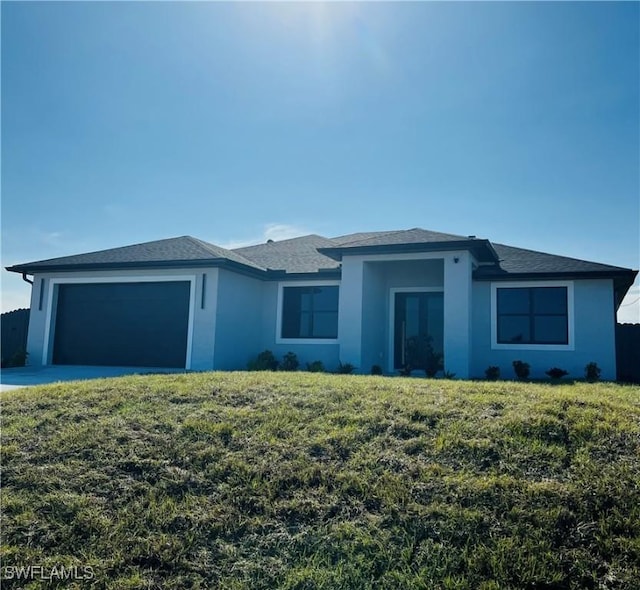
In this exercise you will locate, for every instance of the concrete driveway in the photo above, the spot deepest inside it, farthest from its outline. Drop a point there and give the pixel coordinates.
(26, 376)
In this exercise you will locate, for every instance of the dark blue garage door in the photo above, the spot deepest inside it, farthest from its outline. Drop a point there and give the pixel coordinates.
(122, 324)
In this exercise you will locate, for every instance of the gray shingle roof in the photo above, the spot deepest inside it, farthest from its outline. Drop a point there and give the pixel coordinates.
(297, 255)
(360, 237)
(307, 254)
(410, 240)
(408, 236)
(521, 261)
(183, 249)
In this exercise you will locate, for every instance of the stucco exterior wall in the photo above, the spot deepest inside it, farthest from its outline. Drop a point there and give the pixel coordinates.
(37, 318)
(238, 320)
(204, 324)
(411, 273)
(350, 311)
(458, 267)
(375, 318)
(594, 335)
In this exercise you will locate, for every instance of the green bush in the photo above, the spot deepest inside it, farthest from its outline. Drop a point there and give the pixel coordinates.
(345, 369)
(19, 359)
(434, 362)
(592, 372)
(556, 373)
(265, 361)
(492, 373)
(316, 367)
(289, 362)
(405, 370)
(521, 369)
(376, 370)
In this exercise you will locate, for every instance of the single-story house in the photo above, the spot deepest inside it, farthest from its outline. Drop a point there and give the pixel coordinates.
(374, 298)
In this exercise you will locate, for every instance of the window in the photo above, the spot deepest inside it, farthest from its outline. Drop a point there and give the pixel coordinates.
(532, 315)
(310, 312)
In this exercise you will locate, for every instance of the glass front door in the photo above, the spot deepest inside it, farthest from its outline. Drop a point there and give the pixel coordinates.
(419, 331)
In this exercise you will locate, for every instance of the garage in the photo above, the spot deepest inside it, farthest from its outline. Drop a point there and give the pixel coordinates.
(136, 324)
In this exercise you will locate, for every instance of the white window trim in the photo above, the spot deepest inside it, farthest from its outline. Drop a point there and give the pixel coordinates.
(281, 286)
(53, 282)
(392, 314)
(552, 347)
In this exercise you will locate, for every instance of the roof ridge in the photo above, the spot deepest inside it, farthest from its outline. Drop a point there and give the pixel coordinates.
(206, 245)
(441, 233)
(215, 250)
(377, 233)
(362, 242)
(373, 236)
(281, 241)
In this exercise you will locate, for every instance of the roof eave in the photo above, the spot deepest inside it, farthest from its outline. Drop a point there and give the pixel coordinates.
(482, 249)
(153, 264)
(585, 274)
(322, 273)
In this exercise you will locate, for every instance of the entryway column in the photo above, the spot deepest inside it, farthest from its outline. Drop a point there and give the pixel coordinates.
(350, 312)
(457, 313)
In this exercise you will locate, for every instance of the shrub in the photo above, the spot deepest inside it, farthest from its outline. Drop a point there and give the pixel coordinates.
(345, 369)
(316, 367)
(433, 362)
(449, 375)
(376, 370)
(521, 369)
(420, 355)
(556, 373)
(406, 369)
(592, 372)
(265, 361)
(289, 362)
(492, 373)
(19, 359)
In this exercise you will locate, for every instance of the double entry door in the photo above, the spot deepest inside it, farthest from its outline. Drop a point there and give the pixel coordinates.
(418, 330)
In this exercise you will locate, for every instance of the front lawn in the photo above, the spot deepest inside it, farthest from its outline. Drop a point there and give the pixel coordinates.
(304, 481)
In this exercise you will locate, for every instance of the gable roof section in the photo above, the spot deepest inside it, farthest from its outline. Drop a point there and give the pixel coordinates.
(296, 255)
(172, 252)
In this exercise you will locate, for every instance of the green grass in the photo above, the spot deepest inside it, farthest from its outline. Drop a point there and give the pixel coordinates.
(304, 481)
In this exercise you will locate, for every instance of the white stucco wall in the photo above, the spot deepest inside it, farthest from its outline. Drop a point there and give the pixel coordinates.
(350, 311)
(458, 267)
(375, 318)
(238, 320)
(594, 335)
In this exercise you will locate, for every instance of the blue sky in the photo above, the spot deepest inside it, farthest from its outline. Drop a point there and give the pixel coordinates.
(237, 122)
